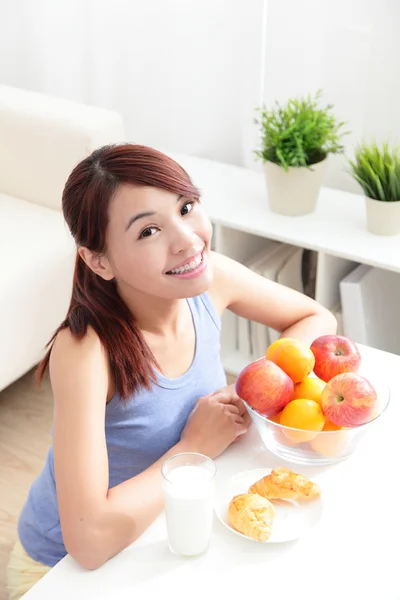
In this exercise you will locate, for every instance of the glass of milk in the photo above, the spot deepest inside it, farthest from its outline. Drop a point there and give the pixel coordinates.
(188, 483)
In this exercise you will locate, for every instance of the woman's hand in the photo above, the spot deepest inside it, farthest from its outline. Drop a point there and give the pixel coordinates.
(216, 421)
(229, 393)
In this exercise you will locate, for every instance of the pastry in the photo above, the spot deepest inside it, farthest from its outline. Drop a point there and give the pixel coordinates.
(252, 515)
(283, 484)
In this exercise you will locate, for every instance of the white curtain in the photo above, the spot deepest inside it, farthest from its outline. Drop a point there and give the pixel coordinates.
(187, 74)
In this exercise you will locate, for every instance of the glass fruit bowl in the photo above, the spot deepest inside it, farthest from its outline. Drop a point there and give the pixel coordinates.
(316, 448)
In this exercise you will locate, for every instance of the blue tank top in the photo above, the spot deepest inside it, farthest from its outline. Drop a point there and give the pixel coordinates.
(138, 433)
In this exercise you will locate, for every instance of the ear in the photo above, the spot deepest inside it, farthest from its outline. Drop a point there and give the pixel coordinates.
(98, 263)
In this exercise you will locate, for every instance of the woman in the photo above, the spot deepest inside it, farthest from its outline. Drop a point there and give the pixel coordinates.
(135, 367)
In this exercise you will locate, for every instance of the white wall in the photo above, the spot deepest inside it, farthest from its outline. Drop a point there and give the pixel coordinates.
(350, 49)
(186, 74)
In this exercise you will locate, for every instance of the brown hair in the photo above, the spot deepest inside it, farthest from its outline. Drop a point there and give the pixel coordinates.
(95, 301)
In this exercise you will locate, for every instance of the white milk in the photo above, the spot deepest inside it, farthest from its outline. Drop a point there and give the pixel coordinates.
(189, 505)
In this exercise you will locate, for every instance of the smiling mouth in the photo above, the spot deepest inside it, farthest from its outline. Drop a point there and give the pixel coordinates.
(188, 267)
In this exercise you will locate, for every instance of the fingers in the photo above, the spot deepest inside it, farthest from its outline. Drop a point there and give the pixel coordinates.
(239, 421)
(228, 390)
(238, 402)
(227, 397)
(247, 419)
(231, 408)
(241, 428)
(222, 396)
(241, 407)
(242, 423)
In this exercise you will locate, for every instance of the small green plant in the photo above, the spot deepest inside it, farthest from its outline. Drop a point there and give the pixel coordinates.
(377, 170)
(299, 133)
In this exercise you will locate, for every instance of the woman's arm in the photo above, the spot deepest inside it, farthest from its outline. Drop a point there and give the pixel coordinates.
(98, 522)
(256, 298)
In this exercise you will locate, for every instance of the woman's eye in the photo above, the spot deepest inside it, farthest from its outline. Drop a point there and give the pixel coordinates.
(186, 208)
(147, 232)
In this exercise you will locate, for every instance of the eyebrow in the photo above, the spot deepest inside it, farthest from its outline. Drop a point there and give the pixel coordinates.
(142, 215)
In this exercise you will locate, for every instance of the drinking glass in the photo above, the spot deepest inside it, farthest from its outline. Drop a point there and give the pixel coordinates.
(189, 488)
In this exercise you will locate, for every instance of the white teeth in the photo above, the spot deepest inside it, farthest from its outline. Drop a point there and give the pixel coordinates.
(189, 266)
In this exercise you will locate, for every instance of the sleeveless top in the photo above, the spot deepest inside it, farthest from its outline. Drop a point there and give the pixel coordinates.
(138, 432)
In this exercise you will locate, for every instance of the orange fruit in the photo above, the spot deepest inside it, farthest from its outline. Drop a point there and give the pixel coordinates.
(302, 414)
(272, 347)
(284, 440)
(330, 444)
(329, 426)
(295, 358)
(310, 388)
(279, 434)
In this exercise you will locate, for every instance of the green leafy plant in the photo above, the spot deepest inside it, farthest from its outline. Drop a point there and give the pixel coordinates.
(377, 170)
(299, 133)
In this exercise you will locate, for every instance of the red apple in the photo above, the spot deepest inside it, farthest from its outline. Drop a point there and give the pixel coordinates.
(265, 387)
(334, 354)
(348, 400)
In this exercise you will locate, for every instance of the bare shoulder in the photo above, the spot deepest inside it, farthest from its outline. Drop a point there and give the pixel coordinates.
(75, 363)
(68, 349)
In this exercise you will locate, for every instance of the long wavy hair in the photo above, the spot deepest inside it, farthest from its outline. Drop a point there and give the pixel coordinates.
(96, 302)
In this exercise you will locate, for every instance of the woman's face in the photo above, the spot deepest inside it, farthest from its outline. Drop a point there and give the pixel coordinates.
(158, 243)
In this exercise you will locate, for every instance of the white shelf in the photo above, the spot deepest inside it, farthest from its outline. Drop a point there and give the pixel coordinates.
(237, 198)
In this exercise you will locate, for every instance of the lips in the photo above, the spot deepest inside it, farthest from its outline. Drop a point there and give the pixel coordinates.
(186, 262)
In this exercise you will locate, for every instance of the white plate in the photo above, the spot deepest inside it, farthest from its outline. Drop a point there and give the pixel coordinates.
(292, 519)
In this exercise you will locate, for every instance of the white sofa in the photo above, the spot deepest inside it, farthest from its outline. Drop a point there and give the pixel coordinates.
(41, 139)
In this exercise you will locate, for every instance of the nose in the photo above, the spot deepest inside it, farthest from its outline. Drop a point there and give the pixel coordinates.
(183, 238)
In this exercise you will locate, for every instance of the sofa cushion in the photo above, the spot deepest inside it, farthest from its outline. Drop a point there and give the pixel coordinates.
(37, 259)
(44, 137)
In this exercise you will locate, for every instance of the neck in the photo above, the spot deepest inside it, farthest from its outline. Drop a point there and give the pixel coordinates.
(155, 316)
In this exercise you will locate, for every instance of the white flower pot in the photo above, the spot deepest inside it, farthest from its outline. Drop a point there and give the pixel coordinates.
(383, 218)
(294, 192)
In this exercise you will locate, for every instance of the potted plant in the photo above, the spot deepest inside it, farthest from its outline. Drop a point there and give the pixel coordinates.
(377, 170)
(296, 139)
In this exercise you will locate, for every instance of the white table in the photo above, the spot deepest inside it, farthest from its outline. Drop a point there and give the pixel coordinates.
(352, 552)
